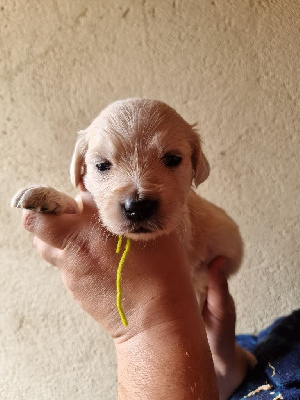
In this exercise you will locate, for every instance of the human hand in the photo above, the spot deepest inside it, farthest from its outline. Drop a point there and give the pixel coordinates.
(85, 252)
(163, 352)
(231, 361)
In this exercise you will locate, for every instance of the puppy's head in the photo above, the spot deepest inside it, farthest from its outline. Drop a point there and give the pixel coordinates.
(138, 159)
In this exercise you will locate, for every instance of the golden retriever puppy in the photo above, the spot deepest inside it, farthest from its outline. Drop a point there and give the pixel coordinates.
(139, 159)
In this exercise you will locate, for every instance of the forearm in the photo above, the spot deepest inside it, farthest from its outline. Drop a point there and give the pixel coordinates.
(169, 361)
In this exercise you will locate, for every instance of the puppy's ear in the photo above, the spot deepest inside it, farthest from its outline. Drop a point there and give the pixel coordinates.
(199, 162)
(77, 163)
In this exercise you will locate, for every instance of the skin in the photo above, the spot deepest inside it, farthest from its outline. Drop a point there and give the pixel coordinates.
(164, 352)
(231, 361)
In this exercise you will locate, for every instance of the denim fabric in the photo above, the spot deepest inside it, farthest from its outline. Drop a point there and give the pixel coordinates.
(277, 349)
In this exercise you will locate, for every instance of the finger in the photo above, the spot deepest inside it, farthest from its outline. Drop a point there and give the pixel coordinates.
(217, 275)
(50, 254)
(52, 229)
(88, 203)
(218, 295)
(81, 186)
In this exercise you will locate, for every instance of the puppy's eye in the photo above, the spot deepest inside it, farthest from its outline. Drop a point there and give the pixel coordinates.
(170, 160)
(104, 166)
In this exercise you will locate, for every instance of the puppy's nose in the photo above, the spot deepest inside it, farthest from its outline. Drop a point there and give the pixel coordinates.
(139, 209)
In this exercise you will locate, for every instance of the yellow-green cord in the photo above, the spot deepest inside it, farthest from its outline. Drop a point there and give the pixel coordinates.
(119, 244)
(119, 277)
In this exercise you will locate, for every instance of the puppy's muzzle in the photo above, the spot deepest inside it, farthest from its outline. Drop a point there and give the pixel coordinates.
(139, 210)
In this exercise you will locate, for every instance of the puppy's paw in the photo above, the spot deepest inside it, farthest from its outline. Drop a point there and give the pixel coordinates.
(44, 199)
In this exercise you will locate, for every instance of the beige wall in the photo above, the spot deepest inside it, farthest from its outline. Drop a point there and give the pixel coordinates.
(233, 66)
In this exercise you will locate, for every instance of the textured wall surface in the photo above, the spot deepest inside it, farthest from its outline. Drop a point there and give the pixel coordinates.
(231, 66)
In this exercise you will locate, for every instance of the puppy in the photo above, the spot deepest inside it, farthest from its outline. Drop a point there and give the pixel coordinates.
(139, 159)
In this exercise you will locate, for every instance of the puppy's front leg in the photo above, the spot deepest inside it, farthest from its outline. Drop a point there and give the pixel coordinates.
(45, 199)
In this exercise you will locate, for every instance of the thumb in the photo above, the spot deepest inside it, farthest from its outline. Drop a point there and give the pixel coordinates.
(54, 230)
(218, 295)
(217, 275)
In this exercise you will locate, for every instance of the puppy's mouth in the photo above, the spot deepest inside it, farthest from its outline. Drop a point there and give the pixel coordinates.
(141, 229)
(143, 232)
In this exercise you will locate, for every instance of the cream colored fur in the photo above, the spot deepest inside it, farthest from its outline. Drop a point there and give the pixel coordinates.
(134, 136)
